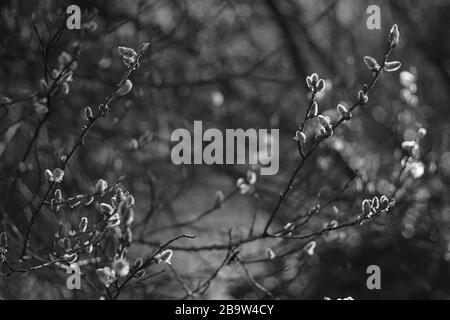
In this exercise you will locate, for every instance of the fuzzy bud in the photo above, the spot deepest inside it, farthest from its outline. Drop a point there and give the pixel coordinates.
(58, 174)
(125, 88)
(300, 137)
(309, 82)
(422, 132)
(139, 274)
(394, 36)
(392, 66)
(114, 220)
(324, 121)
(49, 176)
(101, 186)
(362, 97)
(341, 109)
(128, 52)
(384, 202)
(106, 209)
(129, 201)
(88, 113)
(314, 79)
(128, 61)
(165, 256)
(314, 110)
(138, 263)
(270, 254)
(321, 85)
(87, 201)
(70, 258)
(375, 202)
(58, 195)
(366, 207)
(83, 224)
(371, 63)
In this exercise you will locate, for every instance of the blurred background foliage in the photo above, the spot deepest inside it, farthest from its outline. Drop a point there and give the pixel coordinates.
(237, 64)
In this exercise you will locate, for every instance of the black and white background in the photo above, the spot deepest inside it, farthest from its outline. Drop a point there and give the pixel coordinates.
(351, 96)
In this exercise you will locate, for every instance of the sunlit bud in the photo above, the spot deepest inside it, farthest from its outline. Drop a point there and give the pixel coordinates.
(87, 201)
(129, 201)
(106, 209)
(384, 202)
(320, 85)
(422, 132)
(70, 258)
(128, 61)
(362, 98)
(83, 224)
(128, 235)
(138, 263)
(139, 274)
(103, 109)
(114, 220)
(65, 88)
(300, 137)
(125, 88)
(106, 276)
(394, 36)
(114, 202)
(371, 63)
(58, 194)
(392, 66)
(324, 121)
(49, 176)
(165, 256)
(89, 248)
(130, 217)
(375, 203)
(121, 267)
(101, 186)
(58, 174)
(341, 109)
(125, 51)
(410, 147)
(333, 224)
(309, 248)
(314, 79)
(366, 207)
(67, 77)
(309, 82)
(270, 254)
(314, 110)
(88, 113)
